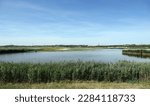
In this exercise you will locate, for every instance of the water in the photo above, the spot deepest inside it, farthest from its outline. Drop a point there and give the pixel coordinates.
(99, 55)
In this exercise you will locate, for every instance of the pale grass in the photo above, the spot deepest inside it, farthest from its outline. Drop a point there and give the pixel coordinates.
(77, 85)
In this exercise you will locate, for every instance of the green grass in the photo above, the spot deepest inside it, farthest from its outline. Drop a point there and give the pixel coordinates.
(21, 49)
(74, 71)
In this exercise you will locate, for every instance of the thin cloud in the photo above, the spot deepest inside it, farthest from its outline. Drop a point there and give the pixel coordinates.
(22, 5)
(74, 20)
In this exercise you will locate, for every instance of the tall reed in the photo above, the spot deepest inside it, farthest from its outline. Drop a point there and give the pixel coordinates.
(122, 71)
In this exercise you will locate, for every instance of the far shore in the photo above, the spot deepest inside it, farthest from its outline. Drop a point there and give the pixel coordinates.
(19, 49)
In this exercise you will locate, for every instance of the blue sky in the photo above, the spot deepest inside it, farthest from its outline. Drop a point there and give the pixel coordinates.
(92, 22)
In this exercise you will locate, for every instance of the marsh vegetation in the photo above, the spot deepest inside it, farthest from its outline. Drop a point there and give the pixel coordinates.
(92, 71)
(143, 53)
(74, 71)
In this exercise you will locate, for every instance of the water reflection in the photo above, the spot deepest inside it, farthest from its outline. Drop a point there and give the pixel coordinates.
(99, 55)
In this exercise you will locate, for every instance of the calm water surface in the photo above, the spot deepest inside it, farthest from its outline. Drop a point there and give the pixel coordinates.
(99, 55)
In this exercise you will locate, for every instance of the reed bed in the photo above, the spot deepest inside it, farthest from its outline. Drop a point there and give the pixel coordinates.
(122, 71)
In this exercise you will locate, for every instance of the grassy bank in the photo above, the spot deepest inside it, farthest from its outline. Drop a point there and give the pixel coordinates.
(132, 50)
(7, 51)
(77, 85)
(74, 71)
(21, 49)
(137, 52)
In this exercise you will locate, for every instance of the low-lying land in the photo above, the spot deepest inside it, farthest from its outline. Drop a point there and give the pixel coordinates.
(76, 74)
(16, 48)
(49, 73)
(22, 49)
(137, 52)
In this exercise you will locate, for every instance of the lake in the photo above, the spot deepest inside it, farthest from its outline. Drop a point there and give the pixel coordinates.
(98, 55)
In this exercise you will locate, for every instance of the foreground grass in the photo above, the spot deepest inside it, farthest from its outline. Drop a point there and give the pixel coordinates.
(77, 85)
(74, 71)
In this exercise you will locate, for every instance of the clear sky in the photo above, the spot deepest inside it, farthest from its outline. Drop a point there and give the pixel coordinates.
(92, 22)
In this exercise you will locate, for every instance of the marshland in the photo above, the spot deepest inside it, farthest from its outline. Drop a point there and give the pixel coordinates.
(137, 52)
(73, 67)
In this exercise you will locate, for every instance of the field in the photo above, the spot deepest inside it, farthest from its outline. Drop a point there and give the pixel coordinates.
(49, 73)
